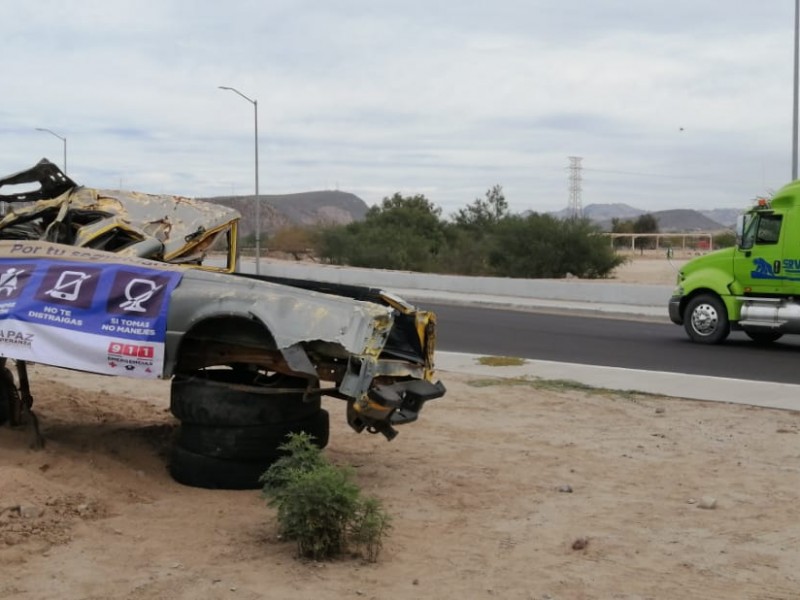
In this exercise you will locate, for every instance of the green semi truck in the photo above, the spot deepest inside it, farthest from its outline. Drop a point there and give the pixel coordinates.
(753, 287)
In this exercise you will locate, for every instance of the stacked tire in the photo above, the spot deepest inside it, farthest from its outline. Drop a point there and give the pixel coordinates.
(9, 396)
(233, 422)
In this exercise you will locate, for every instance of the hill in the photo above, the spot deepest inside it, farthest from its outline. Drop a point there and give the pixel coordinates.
(305, 208)
(725, 216)
(673, 220)
(684, 219)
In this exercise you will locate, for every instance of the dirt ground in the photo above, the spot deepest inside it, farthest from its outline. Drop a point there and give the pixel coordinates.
(653, 268)
(503, 489)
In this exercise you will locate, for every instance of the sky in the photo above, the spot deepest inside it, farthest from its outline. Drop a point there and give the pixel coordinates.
(680, 104)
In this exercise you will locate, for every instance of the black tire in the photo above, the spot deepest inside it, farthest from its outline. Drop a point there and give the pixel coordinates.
(5, 411)
(250, 443)
(213, 473)
(239, 398)
(9, 395)
(706, 320)
(764, 337)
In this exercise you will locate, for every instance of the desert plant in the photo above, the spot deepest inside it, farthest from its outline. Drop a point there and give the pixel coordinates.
(301, 456)
(369, 527)
(319, 507)
(314, 509)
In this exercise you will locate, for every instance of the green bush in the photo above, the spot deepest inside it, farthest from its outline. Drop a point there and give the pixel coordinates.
(319, 507)
(314, 509)
(370, 524)
(541, 246)
(301, 457)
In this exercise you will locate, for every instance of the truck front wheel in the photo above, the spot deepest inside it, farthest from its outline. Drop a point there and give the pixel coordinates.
(706, 320)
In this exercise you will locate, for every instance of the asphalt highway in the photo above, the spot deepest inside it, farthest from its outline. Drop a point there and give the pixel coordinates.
(610, 342)
(617, 353)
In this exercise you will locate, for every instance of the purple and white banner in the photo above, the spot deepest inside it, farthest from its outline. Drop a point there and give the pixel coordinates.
(96, 317)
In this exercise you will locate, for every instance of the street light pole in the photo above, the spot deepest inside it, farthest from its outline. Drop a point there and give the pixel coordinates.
(258, 204)
(63, 139)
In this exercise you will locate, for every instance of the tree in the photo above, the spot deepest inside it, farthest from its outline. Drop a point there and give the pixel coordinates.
(469, 236)
(645, 223)
(333, 244)
(541, 246)
(465, 252)
(620, 226)
(484, 213)
(295, 240)
(402, 233)
(484, 239)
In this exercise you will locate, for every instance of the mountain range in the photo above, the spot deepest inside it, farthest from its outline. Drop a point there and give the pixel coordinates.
(340, 208)
(672, 220)
(305, 208)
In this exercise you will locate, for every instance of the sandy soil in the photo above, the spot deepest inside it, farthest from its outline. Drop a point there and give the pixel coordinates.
(653, 269)
(503, 489)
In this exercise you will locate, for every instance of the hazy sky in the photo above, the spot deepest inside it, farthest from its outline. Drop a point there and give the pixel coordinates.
(680, 104)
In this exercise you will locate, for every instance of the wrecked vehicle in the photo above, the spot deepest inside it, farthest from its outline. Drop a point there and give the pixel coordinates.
(171, 229)
(117, 283)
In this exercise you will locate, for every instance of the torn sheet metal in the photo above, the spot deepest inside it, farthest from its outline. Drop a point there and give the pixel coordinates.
(166, 228)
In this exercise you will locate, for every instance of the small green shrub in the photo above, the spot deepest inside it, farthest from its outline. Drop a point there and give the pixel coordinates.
(369, 526)
(319, 507)
(301, 456)
(314, 510)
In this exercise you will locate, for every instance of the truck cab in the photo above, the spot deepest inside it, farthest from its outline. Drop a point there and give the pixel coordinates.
(752, 287)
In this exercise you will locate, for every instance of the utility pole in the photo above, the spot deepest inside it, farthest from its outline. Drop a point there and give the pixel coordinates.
(575, 206)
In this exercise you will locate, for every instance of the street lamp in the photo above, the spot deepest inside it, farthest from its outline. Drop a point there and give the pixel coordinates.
(258, 204)
(63, 139)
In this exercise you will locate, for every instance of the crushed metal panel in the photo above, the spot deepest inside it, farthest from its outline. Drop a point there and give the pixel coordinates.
(291, 314)
(163, 227)
(52, 182)
(176, 220)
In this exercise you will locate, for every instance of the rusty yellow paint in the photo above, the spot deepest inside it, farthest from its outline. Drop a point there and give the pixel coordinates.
(201, 243)
(371, 409)
(382, 325)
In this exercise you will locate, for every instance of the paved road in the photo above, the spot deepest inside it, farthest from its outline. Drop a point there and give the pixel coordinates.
(630, 344)
(645, 356)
